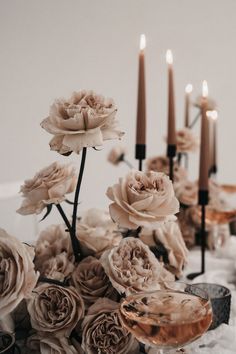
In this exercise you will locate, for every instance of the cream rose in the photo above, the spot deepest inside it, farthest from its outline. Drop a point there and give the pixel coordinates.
(186, 141)
(161, 164)
(187, 192)
(17, 274)
(58, 267)
(91, 281)
(170, 237)
(85, 120)
(48, 186)
(52, 241)
(52, 345)
(97, 232)
(116, 154)
(55, 309)
(143, 199)
(103, 332)
(132, 267)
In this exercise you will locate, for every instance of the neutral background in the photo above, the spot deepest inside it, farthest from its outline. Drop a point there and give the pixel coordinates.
(50, 48)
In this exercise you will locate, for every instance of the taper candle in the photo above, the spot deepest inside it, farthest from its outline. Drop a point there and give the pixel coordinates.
(204, 147)
(171, 134)
(188, 90)
(213, 147)
(141, 107)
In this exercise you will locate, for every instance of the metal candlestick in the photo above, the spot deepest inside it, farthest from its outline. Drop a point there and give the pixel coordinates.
(171, 152)
(203, 201)
(140, 154)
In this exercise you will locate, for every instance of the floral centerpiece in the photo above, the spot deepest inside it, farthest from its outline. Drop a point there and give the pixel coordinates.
(62, 294)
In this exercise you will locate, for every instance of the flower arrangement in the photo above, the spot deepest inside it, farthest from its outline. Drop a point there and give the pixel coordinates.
(62, 294)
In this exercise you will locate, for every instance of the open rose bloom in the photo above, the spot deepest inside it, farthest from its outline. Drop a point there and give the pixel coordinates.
(48, 186)
(84, 120)
(143, 199)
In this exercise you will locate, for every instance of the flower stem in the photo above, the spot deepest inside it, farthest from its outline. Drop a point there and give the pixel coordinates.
(74, 216)
(74, 241)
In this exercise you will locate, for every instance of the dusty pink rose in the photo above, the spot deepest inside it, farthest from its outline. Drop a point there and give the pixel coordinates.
(55, 309)
(161, 164)
(91, 281)
(84, 120)
(51, 345)
(102, 331)
(132, 267)
(143, 199)
(52, 241)
(17, 274)
(97, 232)
(116, 154)
(187, 192)
(59, 267)
(48, 186)
(186, 141)
(170, 237)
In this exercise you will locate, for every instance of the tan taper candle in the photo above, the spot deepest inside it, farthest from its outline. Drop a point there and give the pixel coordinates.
(171, 133)
(141, 109)
(204, 147)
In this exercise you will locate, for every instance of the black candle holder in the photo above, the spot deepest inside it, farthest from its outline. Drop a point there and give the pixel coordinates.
(171, 153)
(202, 201)
(140, 154)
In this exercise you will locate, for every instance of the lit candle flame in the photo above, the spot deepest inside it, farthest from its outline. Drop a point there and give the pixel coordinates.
(212, 114)
(142, 42)
(189, 88)
(169, 57)
(204, 89)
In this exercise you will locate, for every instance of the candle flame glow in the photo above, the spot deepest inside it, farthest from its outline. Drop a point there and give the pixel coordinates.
(189, 88)
(204, 89)
(212, 114)
(142, 42)
(169, 57)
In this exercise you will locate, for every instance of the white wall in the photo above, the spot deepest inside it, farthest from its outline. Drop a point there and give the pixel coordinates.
(50, 48)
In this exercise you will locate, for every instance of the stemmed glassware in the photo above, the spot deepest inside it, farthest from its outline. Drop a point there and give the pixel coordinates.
(168, 318)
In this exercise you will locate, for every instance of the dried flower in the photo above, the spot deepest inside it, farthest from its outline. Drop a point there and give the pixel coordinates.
(58, 267)
(84, 120)
(48, 186)
(97, 232)
(116, 154)
(132, 267)
(143, 199)
(170, 237)
(103, 332)
(55, 309)
(91, 281)
(161, 164)
(187, 192)
(186, 141)
(17, 275)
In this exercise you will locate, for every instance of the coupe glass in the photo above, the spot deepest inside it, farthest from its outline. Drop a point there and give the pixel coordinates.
(168, 318)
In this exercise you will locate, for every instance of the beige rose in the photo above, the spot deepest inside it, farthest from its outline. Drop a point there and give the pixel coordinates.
(52, 345)
(58, 267)
(103, 332)
(161, 164)
(52, 241)
(187, 192)
(86, 119)
(91, 281)
(132, 267)
(170, 237)
(48, 186)
(17, 274)
(143, 199)
(55, 309)
(116, 154)
(97, 232)
(186, 141)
